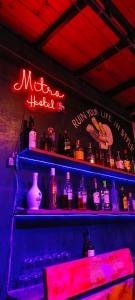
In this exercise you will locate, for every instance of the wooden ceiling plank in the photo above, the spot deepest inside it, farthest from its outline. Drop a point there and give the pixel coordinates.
(61, 21)
(102, 57)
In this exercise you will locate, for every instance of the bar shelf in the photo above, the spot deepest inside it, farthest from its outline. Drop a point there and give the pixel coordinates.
(36, 158)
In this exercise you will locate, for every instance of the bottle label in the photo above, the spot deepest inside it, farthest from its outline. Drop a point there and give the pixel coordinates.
(79, 154)
(120, 164)
(84, 197)
(127, 165)
(112, 162)
(67, 145)
(96, 197)
(91, 252)
(32, 139)
(106, 198)
(70, 195)
(54, 189)
(125, 202)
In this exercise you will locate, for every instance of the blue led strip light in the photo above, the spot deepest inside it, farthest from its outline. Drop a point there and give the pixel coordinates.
(75, 169)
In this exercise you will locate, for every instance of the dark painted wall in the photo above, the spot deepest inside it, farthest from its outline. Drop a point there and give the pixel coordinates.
(41, 241)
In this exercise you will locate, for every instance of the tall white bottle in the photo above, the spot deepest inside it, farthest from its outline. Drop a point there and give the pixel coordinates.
(34, 195)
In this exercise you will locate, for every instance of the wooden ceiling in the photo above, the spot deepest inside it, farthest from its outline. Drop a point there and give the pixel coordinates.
(95, 40)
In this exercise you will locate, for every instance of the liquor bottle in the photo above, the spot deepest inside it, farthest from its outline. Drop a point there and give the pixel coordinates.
(97, 157)
(132, 166)
(50, 139)
(34, 195)
(88, 248)
(32, 133)
(127, 163)
(67, 197)
(82, 195)
(119, 162)
(79, 151)
(110, 162)
(130, 201)
(96, 196)
(66, 141)
(90, 154)
(24, 136)
(102, 157)
(123, 199)
(105, 197)
(52, 190)
(114, 197)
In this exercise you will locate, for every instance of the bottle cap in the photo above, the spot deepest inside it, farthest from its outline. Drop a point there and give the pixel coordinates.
(68, 175)
(52, 171)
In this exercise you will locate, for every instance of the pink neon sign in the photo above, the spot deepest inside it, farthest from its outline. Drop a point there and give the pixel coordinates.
(39, 94)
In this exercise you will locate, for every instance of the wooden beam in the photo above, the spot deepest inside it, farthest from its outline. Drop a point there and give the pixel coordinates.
(121, 87)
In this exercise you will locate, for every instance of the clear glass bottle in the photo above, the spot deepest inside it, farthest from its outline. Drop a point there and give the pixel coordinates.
(79, 151)
(114, 197)
(34, 195)
(82, 195)
(90, 154)
(105, 197)
(52, 190)
(96, 196)
(67, 197)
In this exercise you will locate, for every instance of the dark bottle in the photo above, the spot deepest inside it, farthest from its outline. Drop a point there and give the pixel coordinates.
(24, 136)
(132, 166)
(52, 190)
(67, 197)
(90, 154)
(102, 157)
(123, 199)
(66, 144)
(88, 248)
(97, 160)
(105, 197)
(127, 163)
(50, 140)
(110, 162)
(82, 195)
(119, 162)
(79, 151)
(96, 196)
(32, 133)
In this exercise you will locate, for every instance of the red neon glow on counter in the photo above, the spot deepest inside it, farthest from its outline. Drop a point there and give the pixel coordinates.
(40, 95)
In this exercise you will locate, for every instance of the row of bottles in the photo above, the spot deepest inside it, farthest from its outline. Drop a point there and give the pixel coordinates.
(118, 160)
(94, 198)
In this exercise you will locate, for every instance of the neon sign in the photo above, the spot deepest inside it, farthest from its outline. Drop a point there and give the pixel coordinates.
(39, 94)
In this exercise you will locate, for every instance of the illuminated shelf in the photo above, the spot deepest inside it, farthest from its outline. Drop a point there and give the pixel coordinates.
(36, 158)
(43, 218)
